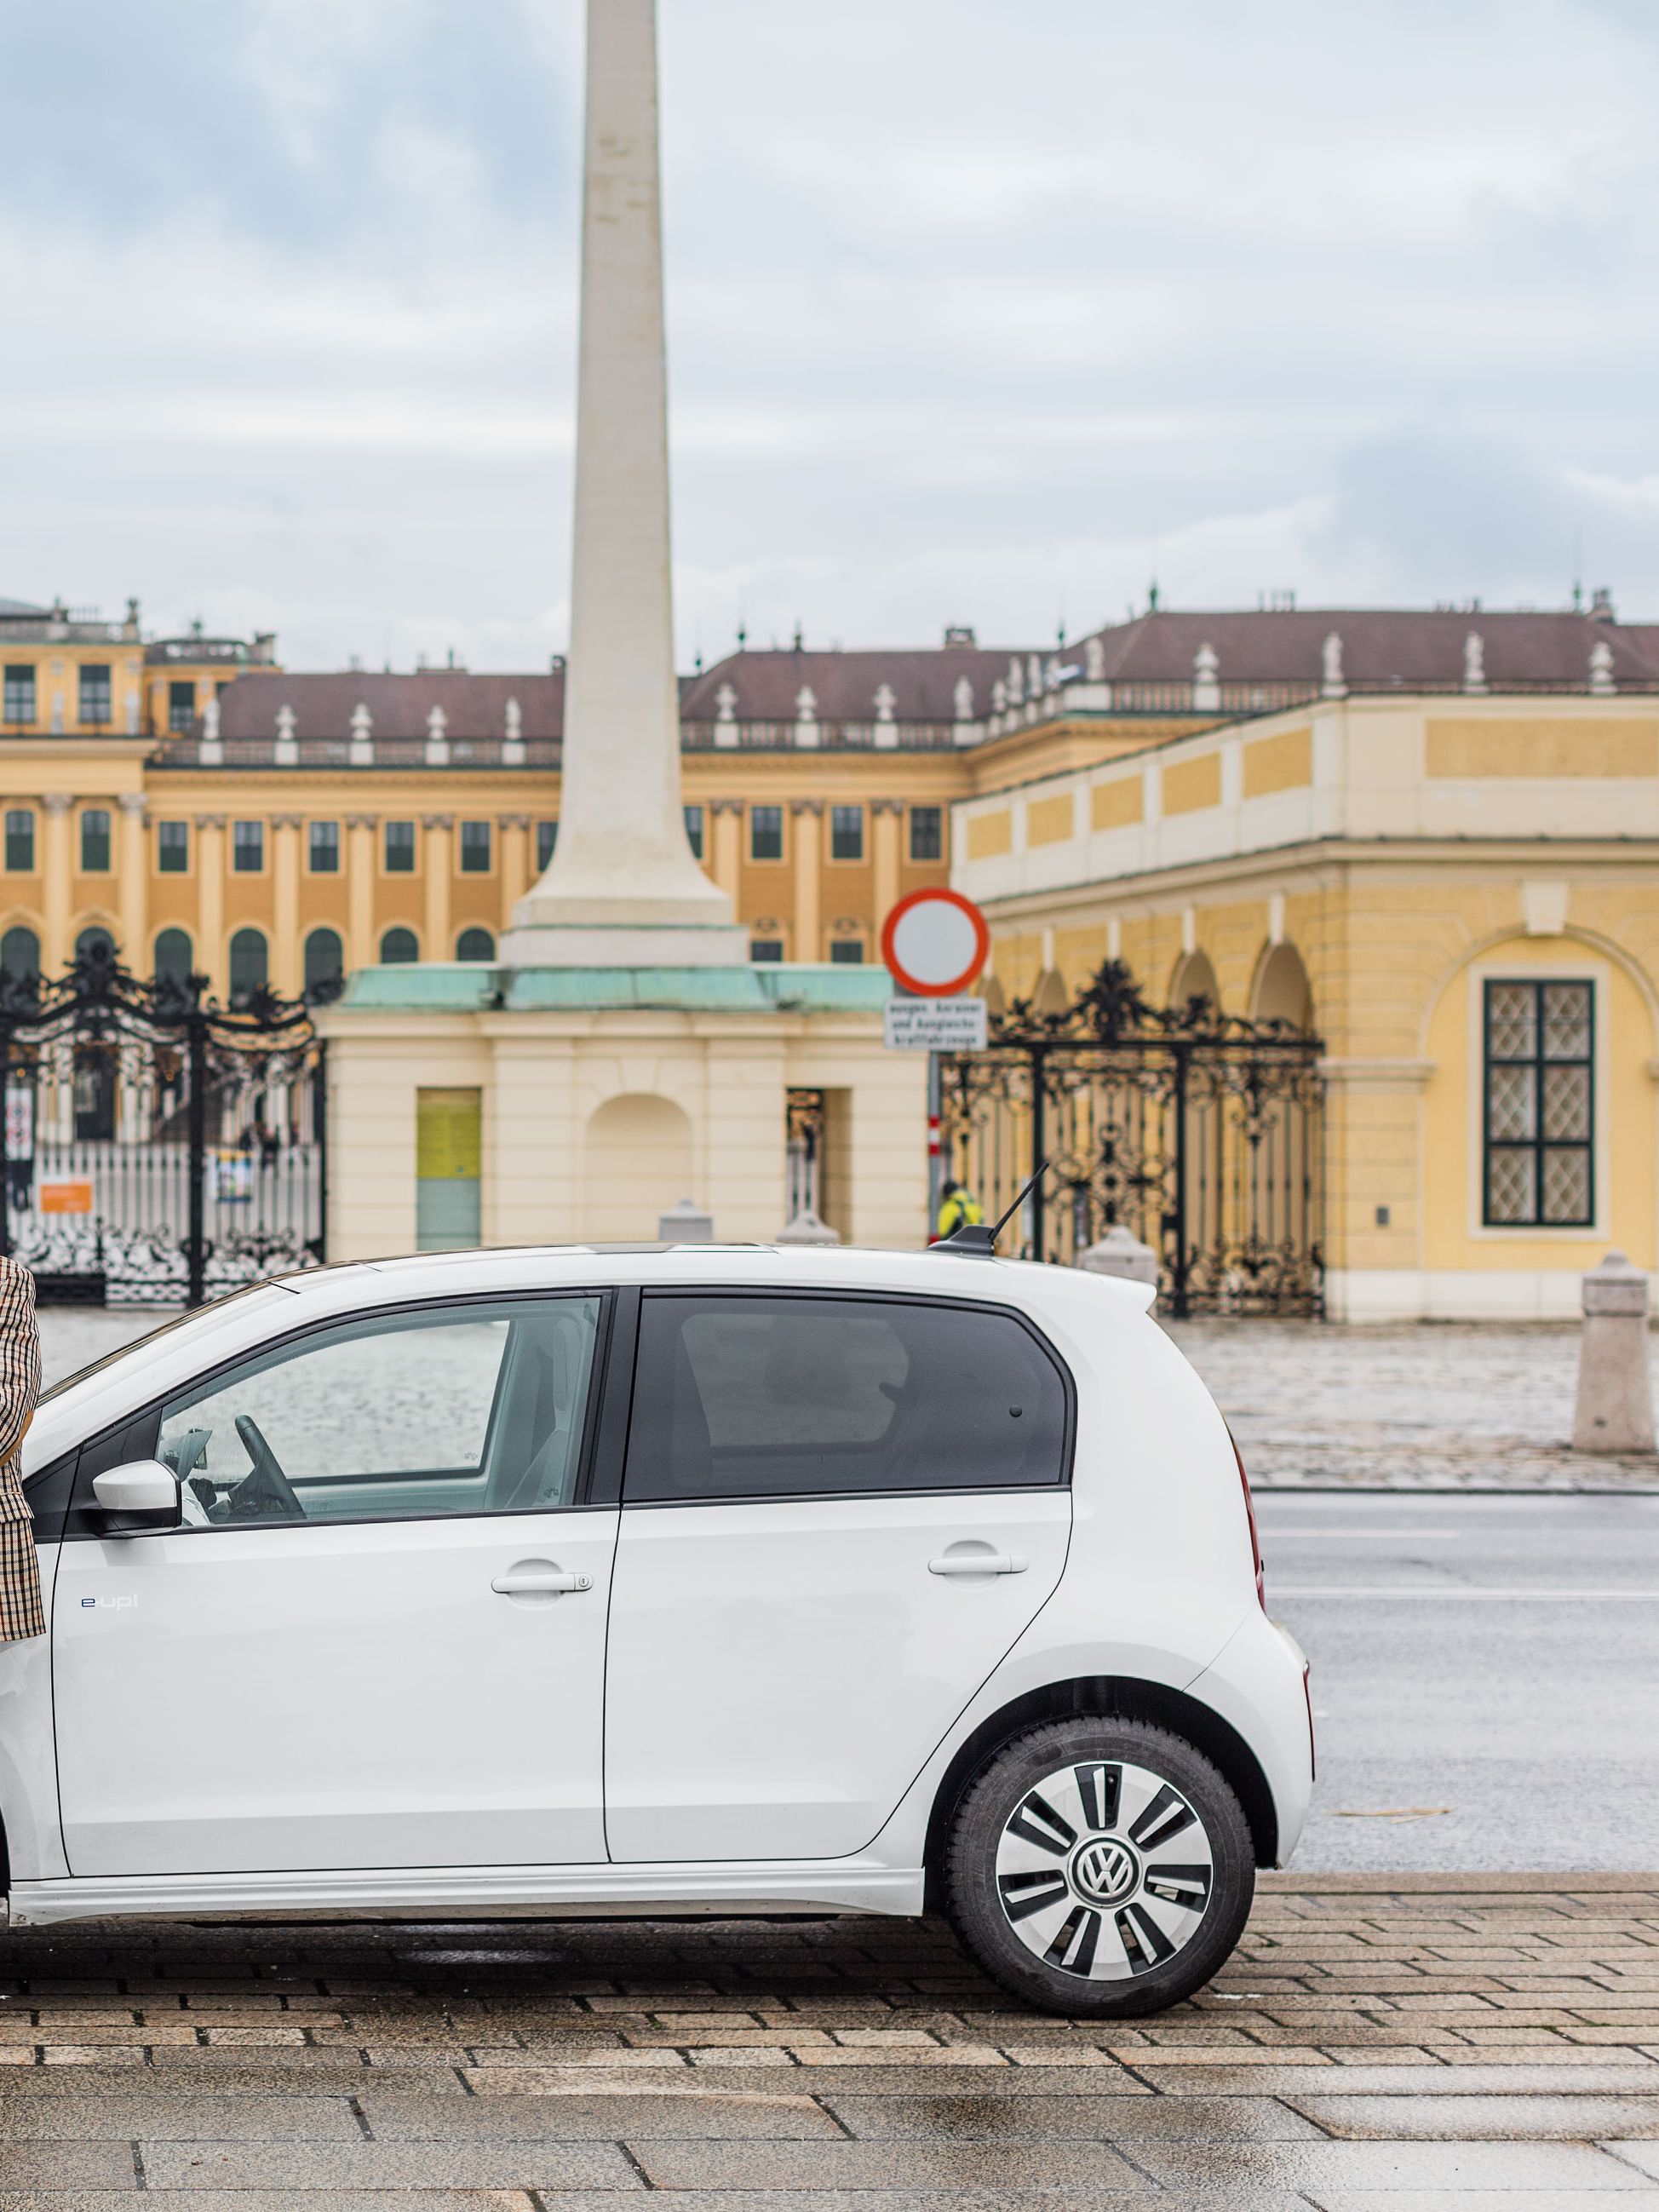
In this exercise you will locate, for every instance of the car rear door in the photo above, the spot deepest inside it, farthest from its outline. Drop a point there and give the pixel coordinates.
(389, 1655)
(839, 1513)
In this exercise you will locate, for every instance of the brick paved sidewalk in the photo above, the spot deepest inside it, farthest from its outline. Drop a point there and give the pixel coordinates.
(1404, 2042)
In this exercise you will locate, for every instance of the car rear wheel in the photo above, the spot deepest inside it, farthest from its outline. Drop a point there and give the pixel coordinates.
(1100, 1867)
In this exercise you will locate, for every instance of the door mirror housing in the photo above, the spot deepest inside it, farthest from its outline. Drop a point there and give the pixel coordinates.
(143, 1495)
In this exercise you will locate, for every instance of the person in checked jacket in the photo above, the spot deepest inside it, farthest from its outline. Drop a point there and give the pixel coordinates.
(20, 1611)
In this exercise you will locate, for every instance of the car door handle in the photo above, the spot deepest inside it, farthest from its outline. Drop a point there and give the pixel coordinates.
(978, 1563)
(538, 1582)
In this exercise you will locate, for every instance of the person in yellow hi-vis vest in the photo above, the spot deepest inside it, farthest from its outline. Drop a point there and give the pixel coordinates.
(958, 1209)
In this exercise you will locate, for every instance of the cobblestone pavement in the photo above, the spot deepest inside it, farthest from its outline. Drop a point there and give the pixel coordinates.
(1458, 1405)
(1424, 1406)
(1396, 2042)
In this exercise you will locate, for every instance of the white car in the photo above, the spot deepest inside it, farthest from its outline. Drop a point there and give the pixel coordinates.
(648, 1581)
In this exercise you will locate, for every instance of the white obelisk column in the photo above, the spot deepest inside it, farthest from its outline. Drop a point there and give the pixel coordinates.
(622, 889)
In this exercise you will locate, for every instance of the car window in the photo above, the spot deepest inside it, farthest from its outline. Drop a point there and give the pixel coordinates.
(776, 1397)
(472, 1409)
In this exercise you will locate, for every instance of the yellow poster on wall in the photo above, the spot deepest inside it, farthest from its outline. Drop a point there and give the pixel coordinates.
(447, 1135)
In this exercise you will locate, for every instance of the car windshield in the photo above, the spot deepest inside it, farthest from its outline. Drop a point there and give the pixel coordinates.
(204, 1319)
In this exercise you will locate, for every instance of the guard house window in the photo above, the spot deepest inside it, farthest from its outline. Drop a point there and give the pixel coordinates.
(846, 952)
(95, 691)
(547, 839)
(475, 848)
(926, 833)
(181, 707)
(766, 833)
(846, 833)
(171, 849)
(1539, 1105)
(94, 842)
(766, 948)
(19, 702)
(19, 841)
(248, 849)
(325, 846)
(400, 848)
(694, 828)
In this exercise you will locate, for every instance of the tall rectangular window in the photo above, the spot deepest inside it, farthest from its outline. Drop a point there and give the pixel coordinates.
(18, 704)
(766, 948)
(1539, 1105)
(95, 691)
(846, 952)
(325, 846)
(475, 848)
(172, 849)
(400, 848)
(547, 840)
(181, 706)
(95, 841)
(248, 849)
(694, 828)
(846, 833)
(926, 833)
(19, 841)
(766, 833)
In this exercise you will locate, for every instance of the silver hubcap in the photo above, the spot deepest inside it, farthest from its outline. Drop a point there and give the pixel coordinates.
(1104, 1870)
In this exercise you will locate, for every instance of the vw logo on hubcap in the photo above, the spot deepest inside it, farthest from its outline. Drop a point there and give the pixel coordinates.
(1104, 1870)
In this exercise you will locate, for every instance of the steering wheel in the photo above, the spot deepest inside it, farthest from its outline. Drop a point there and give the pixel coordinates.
(265, 1493)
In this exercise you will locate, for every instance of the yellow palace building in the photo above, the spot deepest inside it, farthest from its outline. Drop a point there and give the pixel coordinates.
(1432, 838)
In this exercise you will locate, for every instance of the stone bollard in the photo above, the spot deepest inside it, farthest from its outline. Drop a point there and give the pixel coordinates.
(685, 1223)
(1615, 1412)
(807, 1228)
(1121, 1252)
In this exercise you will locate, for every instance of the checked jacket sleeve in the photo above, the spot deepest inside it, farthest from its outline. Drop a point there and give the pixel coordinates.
(20, 1611)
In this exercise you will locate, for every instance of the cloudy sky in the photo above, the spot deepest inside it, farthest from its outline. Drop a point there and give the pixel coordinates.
(979, 312)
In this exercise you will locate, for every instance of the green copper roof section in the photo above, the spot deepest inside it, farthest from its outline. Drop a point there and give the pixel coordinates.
(765, 988)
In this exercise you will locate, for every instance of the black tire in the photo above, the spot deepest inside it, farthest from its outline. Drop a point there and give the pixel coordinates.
(1117, 1894)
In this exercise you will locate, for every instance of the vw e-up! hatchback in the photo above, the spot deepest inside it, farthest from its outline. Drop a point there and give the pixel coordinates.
(660, 1581)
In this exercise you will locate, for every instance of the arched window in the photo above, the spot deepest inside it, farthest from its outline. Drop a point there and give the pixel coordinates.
(20, 953)
(1282, 993)
(324, 957)
(1194, 978)
(249, 964)
(175, 957)
(475, 945)
(398, 946)
(93, 941)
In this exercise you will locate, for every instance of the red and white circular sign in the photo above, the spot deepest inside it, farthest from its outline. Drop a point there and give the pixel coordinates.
(935, 943)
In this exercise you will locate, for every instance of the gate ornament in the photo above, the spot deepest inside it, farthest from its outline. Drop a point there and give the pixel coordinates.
(196, 1127)
(1199, 1132)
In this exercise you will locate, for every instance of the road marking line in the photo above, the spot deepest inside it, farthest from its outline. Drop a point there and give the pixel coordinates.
(1463, 1591)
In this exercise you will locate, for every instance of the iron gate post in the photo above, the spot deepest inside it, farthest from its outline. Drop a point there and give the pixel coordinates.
(1039, 1140)
(319, 1129)
(1178, 1257)
(195, 1234)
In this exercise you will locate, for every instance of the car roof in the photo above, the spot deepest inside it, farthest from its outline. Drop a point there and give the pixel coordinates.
(1023, 1284)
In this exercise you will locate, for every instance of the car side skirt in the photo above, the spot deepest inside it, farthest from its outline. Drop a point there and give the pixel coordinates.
(842, 1886)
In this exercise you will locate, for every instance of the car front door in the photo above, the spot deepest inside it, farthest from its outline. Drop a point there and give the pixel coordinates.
(839, 1513)
(379, 1640)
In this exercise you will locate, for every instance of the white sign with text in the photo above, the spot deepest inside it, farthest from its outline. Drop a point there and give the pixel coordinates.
(936, 1024)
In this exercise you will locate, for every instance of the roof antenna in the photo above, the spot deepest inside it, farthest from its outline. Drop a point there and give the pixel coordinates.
(973, 1240)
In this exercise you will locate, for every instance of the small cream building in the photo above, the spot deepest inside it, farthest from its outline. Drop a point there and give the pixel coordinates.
(1460, 893)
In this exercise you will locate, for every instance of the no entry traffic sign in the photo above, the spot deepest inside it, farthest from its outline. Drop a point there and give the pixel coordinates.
(935, 943)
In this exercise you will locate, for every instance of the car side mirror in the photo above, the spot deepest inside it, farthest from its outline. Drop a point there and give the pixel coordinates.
(143, 1495)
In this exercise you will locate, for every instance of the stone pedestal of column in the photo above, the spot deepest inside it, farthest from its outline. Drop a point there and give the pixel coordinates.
(1614, 1411)
(1121, 1252)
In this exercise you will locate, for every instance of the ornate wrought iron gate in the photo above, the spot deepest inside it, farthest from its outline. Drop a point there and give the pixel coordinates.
(1199, 1131)
(156, 1145)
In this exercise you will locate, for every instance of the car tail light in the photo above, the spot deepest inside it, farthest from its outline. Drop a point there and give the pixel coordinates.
(1250, 1515)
